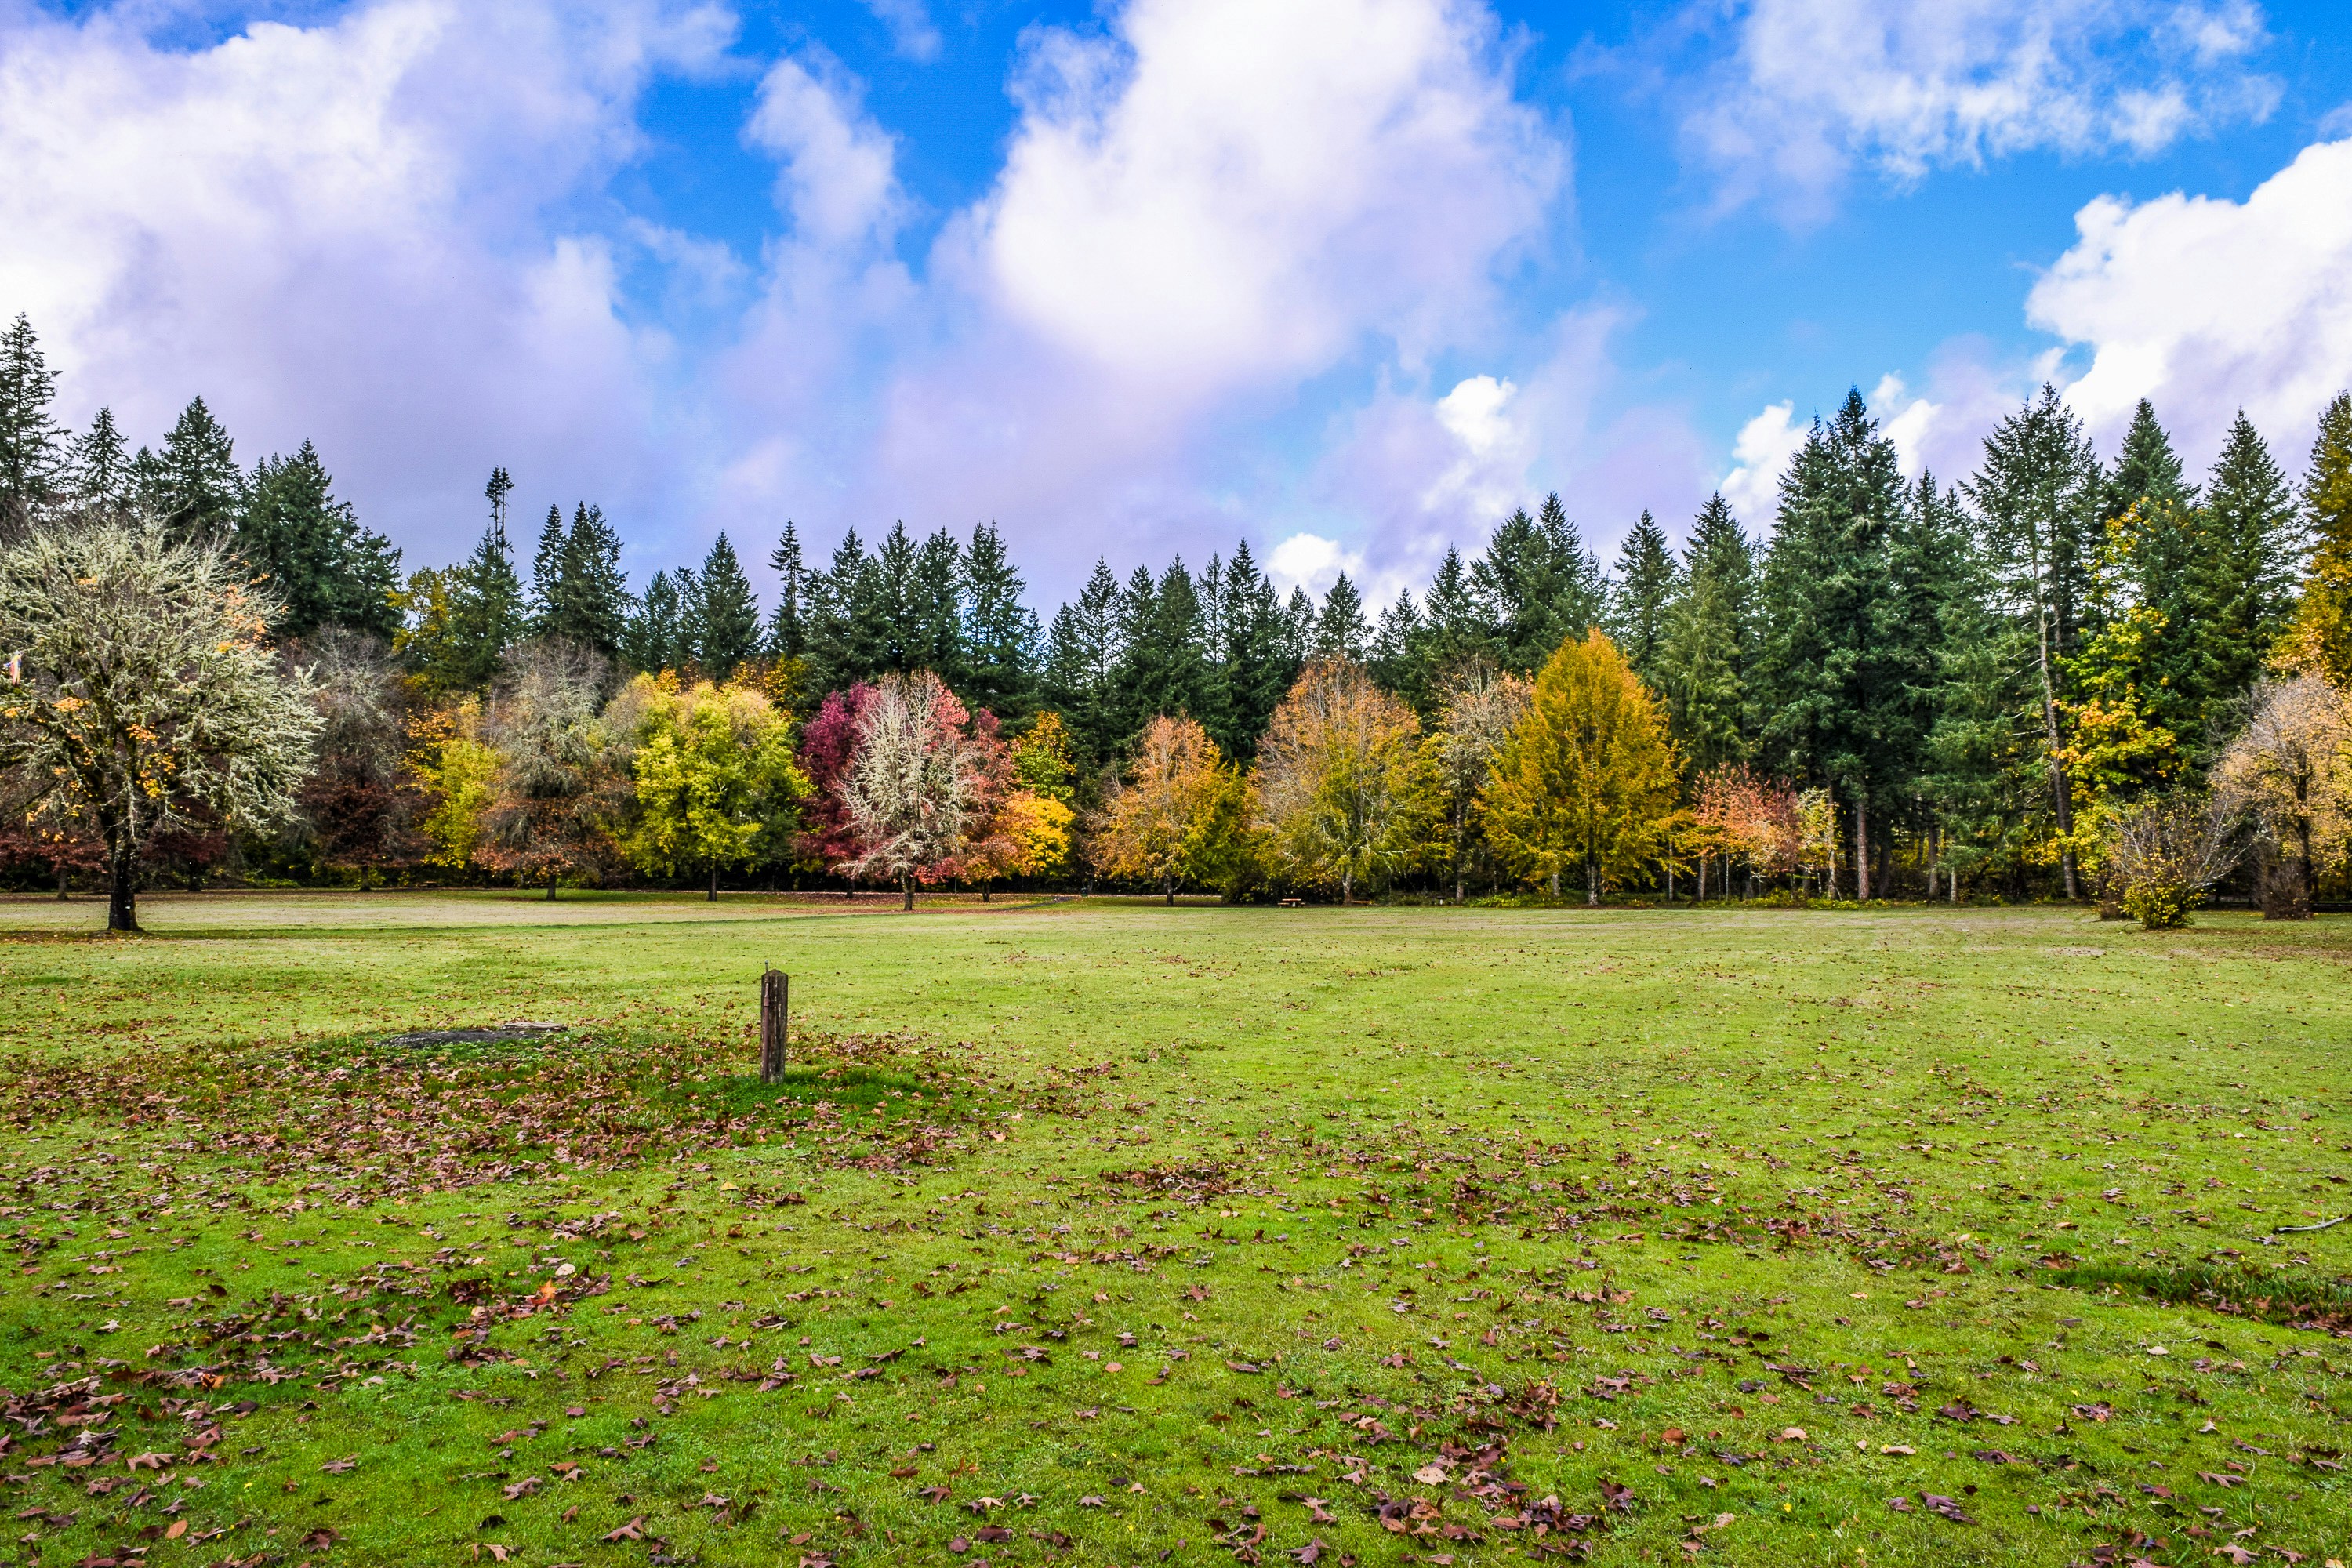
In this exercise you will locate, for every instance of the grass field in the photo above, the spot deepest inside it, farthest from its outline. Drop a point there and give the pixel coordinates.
(1103, 1233)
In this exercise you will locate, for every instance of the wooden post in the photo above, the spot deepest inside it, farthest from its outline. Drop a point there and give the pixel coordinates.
(775, 991)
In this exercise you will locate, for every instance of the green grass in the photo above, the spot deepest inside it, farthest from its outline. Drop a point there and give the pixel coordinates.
(1650, 1235)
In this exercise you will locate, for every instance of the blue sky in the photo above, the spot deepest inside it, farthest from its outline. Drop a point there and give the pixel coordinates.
(1346, 277)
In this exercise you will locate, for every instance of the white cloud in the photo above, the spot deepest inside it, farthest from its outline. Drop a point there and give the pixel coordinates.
(1313, 563)
(1760, 453)
(2206, 306)
(340, 232)
(1813, 88)
(911, 32)
(1215, 196)
(839, 178)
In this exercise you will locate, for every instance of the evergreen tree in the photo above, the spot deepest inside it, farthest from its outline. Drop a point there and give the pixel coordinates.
(846, 640)
(1538, 586)
(2321, 639)
(1082, 658)
(896, 620)
(2146, 468)
(99, 466)
(788, 627)
(1981, 765)
(935, 641)
(727, 626)
(486, 608)
(1000, 631)
(1457, 624)
(650, 640)
(1396, 653)
(32, 447)
(1646, 585)
(194, 483)
(1255, 665)
(1831, 671)
(326, 568)
(547, 575)
(2254, 549)
(2039, 497)
(1708, 649)
(587, 602)
(1341, 631)
(1298, 626)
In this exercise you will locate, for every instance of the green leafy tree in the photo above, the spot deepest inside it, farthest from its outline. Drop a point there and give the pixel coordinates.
(1335, 783)
(327, 570)
(717, 783)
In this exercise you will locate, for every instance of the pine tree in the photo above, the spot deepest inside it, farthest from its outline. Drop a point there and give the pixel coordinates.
(587, 600)
(100, 466)
(935, 640)
(650, 642)
(894, 617)
(1458, 626)
(32, 455)
(194, 483)
(727, 626)
(1082, 656)
(326, 568)
(1647, 582)
(1538, 585)
(1830, 671)
(2146, 468)
(1000, 631)
(486, 608)
(787, 626)
(547, 575)
(846, 636)
(1396, 653)
(2255, 547)
(1709, 650)
(2040, 496)
(1341, 631)
(1254, 663)
(2321, 638)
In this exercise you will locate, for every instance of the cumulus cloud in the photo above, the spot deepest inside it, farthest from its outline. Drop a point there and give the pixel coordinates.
(1760, 454)
(1810, 90)
(910, 22)
(342, 231)
(2206, 306)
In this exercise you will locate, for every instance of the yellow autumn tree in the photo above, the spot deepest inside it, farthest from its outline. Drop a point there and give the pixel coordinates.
(1171, 817)
(1333, 788)
(1586, 776)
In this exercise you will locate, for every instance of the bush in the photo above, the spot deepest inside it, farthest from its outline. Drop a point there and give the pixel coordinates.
(2163, 854)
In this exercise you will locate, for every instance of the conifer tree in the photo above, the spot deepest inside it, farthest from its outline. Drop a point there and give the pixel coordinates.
(1082, 656)
(1647, 582)
(844, 638)
(1000, 631)
(2039, 495)
(1396, 660)
(2146, 468)
(1254, 663)
(1163, 668)
(2321, 638)
(1709, 645)
(592, 605)
(728, 627)
(1538, 585)
(547, 573)
(32, 447)
(895, 619)
(2253, 548)
(1457, 624)
(1341, 631)
(194, 483)
(487, 610)
(325, 568)
(99, 465)
(650, 643)
(788, 627)
(935, 639)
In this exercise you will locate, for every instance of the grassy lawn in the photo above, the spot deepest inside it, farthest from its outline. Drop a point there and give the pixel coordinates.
(1105, 1233)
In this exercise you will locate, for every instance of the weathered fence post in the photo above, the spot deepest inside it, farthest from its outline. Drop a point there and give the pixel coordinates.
(775, 991)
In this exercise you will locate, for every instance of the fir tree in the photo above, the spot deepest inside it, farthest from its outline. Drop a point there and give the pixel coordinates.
(1646, 585)
(845, 640)
(650, 642)
(1709, 644)
(547, 575)
(589, 603)
(2321, 639)
(935, 640)
(1396, 653)
(1082, 658)
(32, 447)
(787, 626)
(1341, 631)
(1538, 586)
(2039, 497)
(1255, 665)
(99, 466)
(2255, 547)
(896, 620)
(1456, 624)
(326, 569)
(1000, 631)
(486, 608)
(2146, 468)
(728, 627)
(194, 483)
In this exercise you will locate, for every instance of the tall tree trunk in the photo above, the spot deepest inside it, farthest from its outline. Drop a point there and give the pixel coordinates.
(1670, 881)
(1347, 887)
(907, 884)
(2057, 769)
(1555, 882)
(1861, 849)
(712, 897)
(122, 882)
(1457, 886)
(1592, 882)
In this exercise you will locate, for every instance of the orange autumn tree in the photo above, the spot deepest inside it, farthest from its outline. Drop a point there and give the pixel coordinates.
(1171, 817)
(1587, 777)
(1741, 815)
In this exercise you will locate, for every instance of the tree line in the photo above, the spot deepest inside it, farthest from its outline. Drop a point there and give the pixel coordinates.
(1903, 687)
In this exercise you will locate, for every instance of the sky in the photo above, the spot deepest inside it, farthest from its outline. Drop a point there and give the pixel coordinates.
(1347, 279)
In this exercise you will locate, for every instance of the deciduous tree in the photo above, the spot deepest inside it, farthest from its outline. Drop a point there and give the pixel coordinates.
(562, 781)
(923, 784)
(1334, 780)
(717, 783)
(1172, 818)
